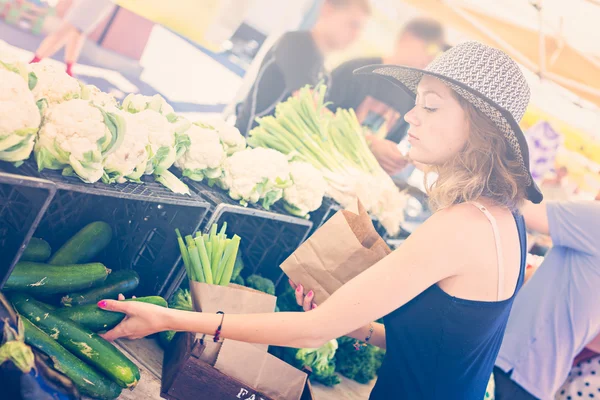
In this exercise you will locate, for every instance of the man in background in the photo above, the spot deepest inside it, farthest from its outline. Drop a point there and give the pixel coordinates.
(297, 58)
(555, 315)
(377, 105)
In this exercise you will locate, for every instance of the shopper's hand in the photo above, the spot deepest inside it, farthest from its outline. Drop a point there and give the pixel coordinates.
(304, 301)
(387, 154)
(142, 319)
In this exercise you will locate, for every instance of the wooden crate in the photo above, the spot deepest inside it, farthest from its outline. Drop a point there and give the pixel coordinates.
(186, 377)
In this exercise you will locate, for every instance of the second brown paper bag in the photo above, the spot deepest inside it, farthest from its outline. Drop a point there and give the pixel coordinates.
(341, 249)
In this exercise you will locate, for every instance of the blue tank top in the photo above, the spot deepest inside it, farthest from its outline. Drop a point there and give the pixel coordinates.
(444, 347)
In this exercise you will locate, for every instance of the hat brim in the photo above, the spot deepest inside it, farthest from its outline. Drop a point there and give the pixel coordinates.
(408, 78)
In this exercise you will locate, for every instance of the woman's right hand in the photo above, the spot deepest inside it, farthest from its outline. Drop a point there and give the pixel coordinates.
(304, 300)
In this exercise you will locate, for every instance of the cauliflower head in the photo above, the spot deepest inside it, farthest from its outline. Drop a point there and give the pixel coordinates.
(307, 190)
(76, 136)
(256, 174)
(230, 136)
(128, 161)
(204, 156)
(164, 147)
(99, 98)
(19, 117)
(161, 140)
(54, 84)
(135, 103)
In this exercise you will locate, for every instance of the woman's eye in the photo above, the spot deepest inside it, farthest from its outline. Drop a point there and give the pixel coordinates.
(429, 109)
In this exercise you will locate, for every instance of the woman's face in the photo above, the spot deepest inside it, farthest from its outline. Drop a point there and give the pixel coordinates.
(439, 128)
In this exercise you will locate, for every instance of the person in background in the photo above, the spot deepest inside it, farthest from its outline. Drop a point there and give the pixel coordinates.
(297, 58)
(80, 20)
(556, 314)
(376, 105)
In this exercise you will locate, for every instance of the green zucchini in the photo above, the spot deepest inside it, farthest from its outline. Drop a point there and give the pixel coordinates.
(38, 250)
(45, 279)
(80, 341)
(88, 381)
(84, 246)
(96, 319)
(124, 281)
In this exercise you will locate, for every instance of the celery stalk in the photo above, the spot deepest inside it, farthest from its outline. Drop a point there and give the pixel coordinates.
(204, 260)
(198, 276)
(228, 270)
(227, 250)
(184, 253)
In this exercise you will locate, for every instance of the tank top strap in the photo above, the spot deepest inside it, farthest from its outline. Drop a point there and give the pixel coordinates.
(497, 239)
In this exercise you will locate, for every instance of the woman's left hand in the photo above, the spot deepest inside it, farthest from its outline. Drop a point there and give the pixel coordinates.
(141, 319)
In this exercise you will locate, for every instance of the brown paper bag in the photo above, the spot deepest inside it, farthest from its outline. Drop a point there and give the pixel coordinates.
(341, 249)
(260, 370)
(232, 299)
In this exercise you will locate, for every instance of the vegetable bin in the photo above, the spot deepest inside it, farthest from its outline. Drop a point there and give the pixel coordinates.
(23, 201)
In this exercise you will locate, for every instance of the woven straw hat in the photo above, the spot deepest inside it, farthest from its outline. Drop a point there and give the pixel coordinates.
(485, 77)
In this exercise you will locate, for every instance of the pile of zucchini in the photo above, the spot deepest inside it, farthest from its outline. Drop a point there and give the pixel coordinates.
(66, 330)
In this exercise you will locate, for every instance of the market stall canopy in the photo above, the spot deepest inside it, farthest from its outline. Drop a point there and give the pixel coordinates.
(207, 23)
(568, 55)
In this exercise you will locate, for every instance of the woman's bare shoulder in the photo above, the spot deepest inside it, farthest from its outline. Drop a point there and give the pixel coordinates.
(459, 225)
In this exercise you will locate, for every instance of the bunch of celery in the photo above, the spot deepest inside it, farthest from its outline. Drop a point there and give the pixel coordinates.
(209, 258)
(335, 144)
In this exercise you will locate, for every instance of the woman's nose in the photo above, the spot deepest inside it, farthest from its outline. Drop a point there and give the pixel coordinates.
(411, 117)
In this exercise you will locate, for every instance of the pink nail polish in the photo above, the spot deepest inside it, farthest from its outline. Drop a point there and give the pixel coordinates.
(310, 294)
(314, 306)
(102, 303)
(299, 288)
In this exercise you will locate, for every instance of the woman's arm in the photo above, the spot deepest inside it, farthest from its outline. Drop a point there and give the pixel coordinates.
(377, 337)
(376, 292)
(536, 217)
(594, 345)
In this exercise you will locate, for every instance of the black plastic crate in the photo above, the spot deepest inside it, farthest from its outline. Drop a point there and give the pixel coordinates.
(143, 232)
(23, 201)
(149, 190)
(268, 237)
(143, 218)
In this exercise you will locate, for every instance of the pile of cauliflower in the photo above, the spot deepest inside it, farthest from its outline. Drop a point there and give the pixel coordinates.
(84, 132)
(266, 176)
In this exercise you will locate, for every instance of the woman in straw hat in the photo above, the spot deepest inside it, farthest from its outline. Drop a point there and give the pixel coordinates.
(446, 293)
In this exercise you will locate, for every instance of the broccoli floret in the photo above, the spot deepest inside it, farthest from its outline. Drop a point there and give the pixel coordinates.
(326, 376)
(181, 300)
(321, 361)
(261, 284)
(361, 366)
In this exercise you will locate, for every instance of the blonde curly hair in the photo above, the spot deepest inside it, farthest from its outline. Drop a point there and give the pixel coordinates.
(485, 167)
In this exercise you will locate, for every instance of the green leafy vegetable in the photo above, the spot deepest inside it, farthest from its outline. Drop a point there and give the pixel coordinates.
(361, 366)
(261, 284)
(32, 80)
